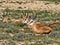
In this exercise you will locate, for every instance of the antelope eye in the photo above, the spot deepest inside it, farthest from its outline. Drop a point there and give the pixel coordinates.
(24, 19)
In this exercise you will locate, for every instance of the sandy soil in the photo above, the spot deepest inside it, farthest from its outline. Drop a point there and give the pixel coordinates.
(29, 5)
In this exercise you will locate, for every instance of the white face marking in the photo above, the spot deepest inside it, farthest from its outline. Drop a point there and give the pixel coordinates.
(24, 21)
(25, 18)
(31, 22)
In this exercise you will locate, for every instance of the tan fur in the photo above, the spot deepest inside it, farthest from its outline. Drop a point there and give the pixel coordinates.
(6, 19)
(16, 21)
(40, 28)
(54, 24)
(1, 28)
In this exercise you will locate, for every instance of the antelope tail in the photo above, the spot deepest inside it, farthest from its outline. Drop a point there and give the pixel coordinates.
(53, 25)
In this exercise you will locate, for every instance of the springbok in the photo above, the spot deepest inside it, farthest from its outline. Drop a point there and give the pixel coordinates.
(37, 27)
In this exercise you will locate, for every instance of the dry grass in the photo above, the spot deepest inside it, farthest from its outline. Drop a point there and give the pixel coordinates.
(14, 34)
(30, 5)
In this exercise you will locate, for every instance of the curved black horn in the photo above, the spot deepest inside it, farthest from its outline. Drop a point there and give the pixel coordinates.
(33, 17)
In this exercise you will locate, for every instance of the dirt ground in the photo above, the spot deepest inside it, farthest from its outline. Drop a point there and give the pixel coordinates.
(29, 5)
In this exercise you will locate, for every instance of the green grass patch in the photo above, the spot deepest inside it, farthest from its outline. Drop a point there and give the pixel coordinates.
(27, 35)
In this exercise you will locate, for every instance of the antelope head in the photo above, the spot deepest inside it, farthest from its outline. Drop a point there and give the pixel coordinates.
(32, 21)
(25, 19)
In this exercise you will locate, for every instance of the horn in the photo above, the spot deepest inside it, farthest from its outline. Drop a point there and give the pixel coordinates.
(26, 14)
(33, 17)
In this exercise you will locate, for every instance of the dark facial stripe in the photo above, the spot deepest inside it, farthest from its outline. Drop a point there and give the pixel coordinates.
(30, 22)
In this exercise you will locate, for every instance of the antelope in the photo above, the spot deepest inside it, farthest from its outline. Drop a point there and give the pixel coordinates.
(15, 21)
(6, 19)
(35, 26)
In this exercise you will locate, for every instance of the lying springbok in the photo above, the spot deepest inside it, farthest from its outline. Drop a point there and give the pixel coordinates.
(37, 27)
(15, 21)
(6, 19)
